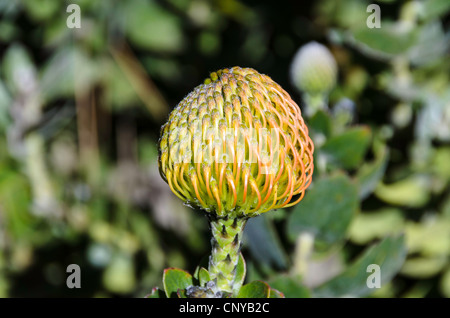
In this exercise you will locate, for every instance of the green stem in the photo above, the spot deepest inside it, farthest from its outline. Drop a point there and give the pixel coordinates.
(226, 245)
(315, 102)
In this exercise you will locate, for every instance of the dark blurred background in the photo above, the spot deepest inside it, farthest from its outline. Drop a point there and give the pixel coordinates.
(81, 110)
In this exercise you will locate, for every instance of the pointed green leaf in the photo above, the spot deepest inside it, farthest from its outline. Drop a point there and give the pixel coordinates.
(389, 255)
(203, 276)
(175, 279)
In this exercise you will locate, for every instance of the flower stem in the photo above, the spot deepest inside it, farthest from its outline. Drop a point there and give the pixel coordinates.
(303, 249)
(226, 245)
(315, 102)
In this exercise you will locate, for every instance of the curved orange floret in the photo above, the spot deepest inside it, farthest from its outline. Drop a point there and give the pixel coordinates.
(237, 145)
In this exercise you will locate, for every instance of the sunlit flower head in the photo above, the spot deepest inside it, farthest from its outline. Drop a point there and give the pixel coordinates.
(237, 146)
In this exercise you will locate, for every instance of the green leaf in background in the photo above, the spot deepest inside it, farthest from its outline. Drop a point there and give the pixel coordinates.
(68, 69)
(440, 163)
(370, 173)
(151, 27)
(119, 93)
(424, 267)
(15, 201)
(175, 279)
(256, 289)
(433, 9)
(4, 284)
(412, 191)
(320, 123)
(445, 208)
(5, 102)
(264, 243)
(119, 276)
(347, 150)
(19, 71)
(146, 233)
(291, 287)
(430, 237)
(8, 31)
(41, 10)
(389, 255)
(445, 283)
(432, 43)
(58, 74)
(390, 39)
(326, 211)
(376, 224)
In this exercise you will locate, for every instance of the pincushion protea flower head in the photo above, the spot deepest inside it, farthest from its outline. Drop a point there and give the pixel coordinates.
(237, 146)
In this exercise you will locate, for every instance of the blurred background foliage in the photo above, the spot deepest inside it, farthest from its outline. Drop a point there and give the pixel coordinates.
(81, 109)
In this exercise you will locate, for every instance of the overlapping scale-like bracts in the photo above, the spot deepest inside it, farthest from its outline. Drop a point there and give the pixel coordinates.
(237, 146)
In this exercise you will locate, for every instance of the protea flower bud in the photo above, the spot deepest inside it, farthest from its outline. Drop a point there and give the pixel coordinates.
(235, 147)
(314, 69)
